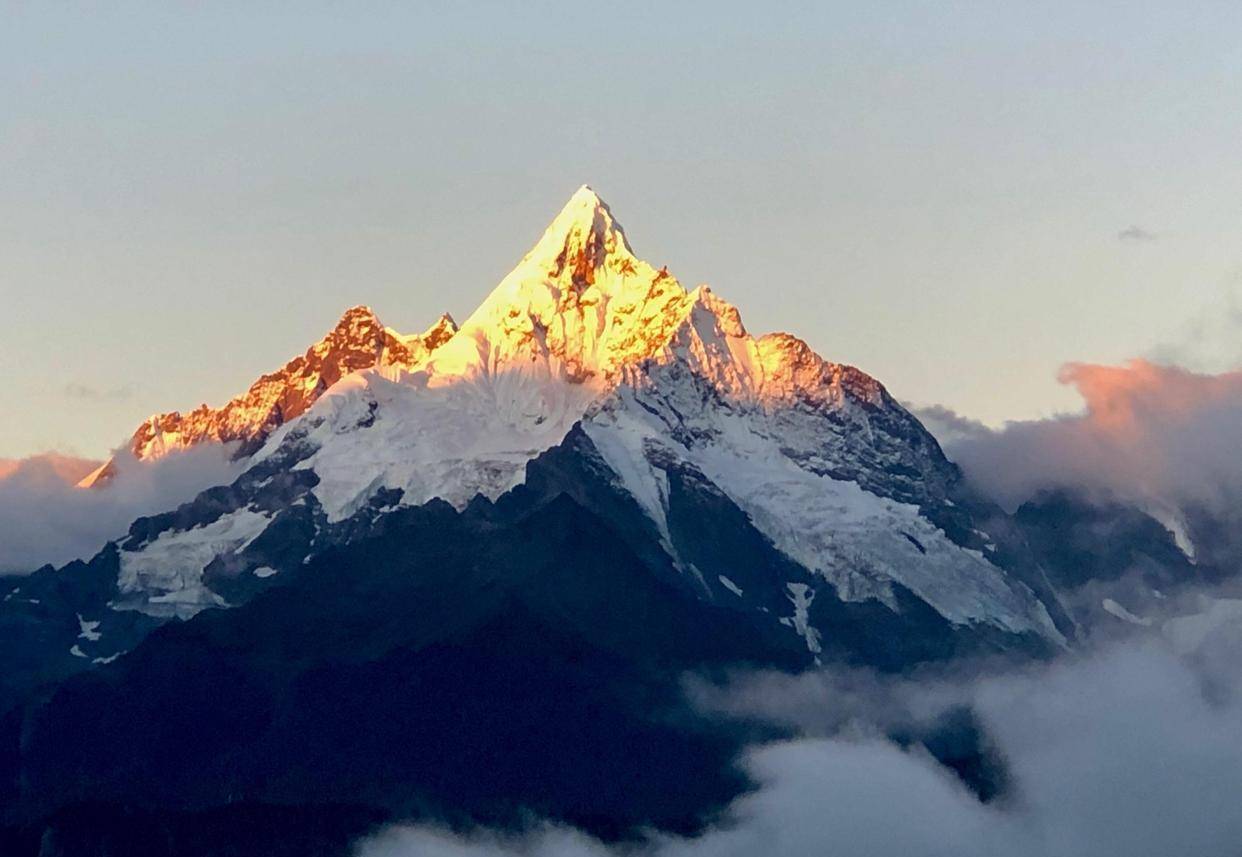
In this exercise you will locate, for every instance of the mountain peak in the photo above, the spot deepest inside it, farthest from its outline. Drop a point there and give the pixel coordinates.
(578, 305)
(583, 205)
(358, 325)
(580, 240)
(360, 311)
(444, 327)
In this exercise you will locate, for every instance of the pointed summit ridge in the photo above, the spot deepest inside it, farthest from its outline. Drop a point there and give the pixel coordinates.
(583, 237)
(580, 304)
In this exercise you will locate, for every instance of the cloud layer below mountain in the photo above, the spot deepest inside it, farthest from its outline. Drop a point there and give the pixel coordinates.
(44, 518)
(1133, 749)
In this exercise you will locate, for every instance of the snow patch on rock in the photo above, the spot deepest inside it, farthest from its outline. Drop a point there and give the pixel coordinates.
(165, 576)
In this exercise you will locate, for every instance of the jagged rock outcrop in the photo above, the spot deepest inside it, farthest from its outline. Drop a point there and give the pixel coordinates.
(358, 341)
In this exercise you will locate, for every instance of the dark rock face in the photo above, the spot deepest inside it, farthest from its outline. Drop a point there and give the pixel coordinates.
(1217, 536)
(237, 830)
(55, 623)
(1079, 541)
(468, 666)
(1100, 554)
(720, 543)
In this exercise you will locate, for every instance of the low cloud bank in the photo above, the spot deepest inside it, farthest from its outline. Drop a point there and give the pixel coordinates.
(1150, 434)
(44, 518)
(1134, 749)
(47, 467)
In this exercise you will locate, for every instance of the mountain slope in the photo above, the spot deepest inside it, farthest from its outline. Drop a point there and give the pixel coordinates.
(445, 667)
(498, 637)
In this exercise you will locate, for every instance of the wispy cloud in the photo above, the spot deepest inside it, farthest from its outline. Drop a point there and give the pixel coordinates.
(948, 426)
(1137, 235)
(86, 392)
(1210, 337)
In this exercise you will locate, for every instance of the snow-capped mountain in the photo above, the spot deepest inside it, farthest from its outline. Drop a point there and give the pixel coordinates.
(829, 469)
(452, 560)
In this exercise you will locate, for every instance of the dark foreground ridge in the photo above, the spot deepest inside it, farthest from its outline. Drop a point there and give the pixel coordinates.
(514, 659)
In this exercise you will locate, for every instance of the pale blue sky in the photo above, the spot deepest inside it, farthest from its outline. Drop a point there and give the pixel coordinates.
(190, 195)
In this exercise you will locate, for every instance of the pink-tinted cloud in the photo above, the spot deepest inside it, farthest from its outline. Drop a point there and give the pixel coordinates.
(54, 466)
(1148, 434)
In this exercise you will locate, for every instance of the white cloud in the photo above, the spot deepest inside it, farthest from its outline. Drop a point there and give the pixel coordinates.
(1133, 750)
(45, 519)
